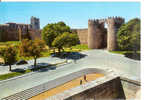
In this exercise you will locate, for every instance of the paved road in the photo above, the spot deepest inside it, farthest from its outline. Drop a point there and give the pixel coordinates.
(43, 60)
(94, 59)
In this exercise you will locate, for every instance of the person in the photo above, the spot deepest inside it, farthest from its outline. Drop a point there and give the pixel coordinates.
(75, 61)
(80, 82)
(85, 77)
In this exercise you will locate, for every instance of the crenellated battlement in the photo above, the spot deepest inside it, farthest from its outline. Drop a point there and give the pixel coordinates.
(115, 19)
(96, 21)
(93, 21)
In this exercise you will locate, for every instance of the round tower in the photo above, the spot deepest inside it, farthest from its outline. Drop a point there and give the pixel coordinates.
(114, 24)
(95, 34)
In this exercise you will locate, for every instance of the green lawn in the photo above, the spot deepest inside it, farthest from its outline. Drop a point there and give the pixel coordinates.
(81, 47)
(47, 52)
(123, 52)
(9, 43)
(13, 74)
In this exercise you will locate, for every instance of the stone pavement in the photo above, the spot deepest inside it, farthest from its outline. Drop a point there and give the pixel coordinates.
(95, 59)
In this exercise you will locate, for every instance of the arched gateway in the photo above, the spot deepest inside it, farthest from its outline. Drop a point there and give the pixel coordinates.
(101, 37)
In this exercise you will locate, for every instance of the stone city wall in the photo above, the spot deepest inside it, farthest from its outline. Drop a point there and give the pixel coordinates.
(96, 34)
(35, 34)
(82, 34)
(110, 90)
(131, 87)
(10, 34)
(118, 88)
(114, 23)
(99, 37)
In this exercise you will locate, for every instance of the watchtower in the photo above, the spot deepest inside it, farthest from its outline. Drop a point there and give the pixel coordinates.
(95, 34)
(113, 24)
(35, 23)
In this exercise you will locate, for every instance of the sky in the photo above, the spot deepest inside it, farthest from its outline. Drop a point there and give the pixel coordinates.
(74, 14)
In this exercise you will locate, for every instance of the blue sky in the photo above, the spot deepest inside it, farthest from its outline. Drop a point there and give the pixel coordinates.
(74, 14)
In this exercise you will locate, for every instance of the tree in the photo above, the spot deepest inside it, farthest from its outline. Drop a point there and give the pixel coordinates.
(32, 48)
(51, 31)
(9, 55)
(65, 40)
(128, 36)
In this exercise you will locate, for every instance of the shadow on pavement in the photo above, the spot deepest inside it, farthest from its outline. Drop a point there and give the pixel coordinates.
(135, 56)
(69, 55)
(20, 70)
(42, 67)
(47, 69)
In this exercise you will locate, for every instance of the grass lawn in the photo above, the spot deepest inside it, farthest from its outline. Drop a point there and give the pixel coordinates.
(129, 54)
(123, 52)
(47, 52)
(13, 74)
(3, 44)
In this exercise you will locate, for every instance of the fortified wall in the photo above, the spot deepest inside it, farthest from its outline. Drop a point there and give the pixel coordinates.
(7, 33)
(17, 31)
(97, 36)
(82, 34)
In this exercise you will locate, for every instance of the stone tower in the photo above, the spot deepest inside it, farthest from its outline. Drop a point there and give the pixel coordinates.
(35, 23)
(113, 24)
(95, 34)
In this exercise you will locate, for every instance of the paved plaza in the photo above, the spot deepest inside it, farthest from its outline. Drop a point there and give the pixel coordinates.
(95, 59)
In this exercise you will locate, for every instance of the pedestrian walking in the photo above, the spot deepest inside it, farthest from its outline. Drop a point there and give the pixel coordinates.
(80, 82)
(85, 78)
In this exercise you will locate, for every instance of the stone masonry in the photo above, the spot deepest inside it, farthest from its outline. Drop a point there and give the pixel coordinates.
(17, 31)
(96, 32)
(96, 36)
(99, 37)
(114, 24)
(111, 90)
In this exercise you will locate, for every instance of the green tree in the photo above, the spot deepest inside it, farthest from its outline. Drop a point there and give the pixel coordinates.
(32, 48)
(128, 36)
(51, 31)
(65, 40)
(9, 54)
